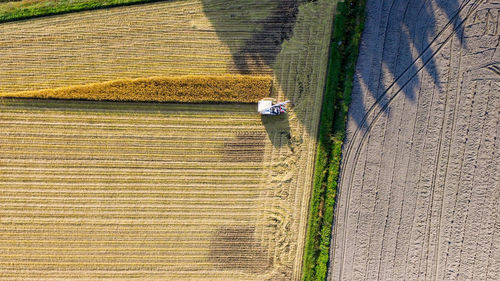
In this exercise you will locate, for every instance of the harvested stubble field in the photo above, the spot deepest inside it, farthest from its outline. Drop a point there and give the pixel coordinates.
(159, 39)
(99, 188)
(91, 189)
(420, 186)
(157, 190)
(186, 37)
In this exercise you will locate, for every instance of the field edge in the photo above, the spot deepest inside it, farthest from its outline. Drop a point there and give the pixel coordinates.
(344, 46)
(38, 10)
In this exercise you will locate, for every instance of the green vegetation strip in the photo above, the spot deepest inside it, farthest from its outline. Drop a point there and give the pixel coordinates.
(349, 23)
(18, 10)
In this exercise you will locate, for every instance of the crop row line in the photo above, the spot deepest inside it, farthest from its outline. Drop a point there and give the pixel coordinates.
(144, 156)
(167, 116)
(129, 164)
(190, 126)
(149, 222)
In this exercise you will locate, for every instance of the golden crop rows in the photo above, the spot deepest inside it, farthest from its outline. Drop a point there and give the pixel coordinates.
(223, 88)
(183, 37)
(119, 216)
(93, 190)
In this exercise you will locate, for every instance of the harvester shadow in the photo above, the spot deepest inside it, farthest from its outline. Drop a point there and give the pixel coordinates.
(278, 130)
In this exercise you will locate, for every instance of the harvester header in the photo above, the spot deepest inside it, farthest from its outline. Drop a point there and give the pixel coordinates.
(268, 106)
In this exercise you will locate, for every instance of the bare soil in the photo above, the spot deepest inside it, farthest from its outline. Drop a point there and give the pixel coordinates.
(420, 186)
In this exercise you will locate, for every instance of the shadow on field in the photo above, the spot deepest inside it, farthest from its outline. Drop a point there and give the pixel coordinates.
(411, 26)
(278, 130)
(264, 29)
(246, 147)
(236, 248)
(255, 33)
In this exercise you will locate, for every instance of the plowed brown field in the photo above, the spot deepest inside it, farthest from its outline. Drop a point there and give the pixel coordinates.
(116, 190)
(420, 187)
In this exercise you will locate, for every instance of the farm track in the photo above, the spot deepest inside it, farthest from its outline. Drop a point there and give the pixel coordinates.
(410, 181)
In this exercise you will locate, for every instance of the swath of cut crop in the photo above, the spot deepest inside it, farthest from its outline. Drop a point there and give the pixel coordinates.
(225, 88)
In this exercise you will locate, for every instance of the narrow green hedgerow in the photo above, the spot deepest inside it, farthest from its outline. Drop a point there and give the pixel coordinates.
(341, 67)
(18, 10)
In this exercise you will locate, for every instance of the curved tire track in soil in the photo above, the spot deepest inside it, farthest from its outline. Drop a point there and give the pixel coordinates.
(360, 264)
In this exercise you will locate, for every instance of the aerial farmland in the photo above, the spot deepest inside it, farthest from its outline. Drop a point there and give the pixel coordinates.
(92, 188)
(249, 140)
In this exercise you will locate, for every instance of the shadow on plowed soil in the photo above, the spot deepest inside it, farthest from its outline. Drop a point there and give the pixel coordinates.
(411, 25)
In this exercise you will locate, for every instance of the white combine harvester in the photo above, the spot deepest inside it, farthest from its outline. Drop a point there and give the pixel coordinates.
(267, 106)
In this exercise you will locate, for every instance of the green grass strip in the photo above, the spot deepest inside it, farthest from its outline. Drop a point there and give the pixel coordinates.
(348, 27)
(19, 10)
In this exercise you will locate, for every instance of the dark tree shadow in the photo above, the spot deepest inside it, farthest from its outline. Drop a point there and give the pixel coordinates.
(246, 147)
(236, 248)
(264, 32)
(415, 32)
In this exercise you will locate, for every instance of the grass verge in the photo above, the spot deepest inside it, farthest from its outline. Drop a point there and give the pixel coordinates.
(348, 27)
(194, 89)
(18, 10)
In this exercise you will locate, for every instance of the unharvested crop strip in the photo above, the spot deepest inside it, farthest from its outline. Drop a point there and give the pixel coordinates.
(192, 89)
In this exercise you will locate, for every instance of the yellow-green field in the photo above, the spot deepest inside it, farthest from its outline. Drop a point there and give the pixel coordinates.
(159, 191)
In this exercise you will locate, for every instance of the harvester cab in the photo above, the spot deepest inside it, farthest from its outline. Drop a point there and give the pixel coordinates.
(268, 106)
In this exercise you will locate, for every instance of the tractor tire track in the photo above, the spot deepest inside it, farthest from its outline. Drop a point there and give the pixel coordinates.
(378, 101)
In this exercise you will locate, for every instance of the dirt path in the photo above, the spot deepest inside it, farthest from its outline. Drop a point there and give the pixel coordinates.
(420, 176)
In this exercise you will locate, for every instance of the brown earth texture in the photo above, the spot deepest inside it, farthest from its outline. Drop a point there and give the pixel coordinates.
(420, 179)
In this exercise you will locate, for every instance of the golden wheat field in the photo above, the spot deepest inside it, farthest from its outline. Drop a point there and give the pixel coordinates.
(196, 89)
(184, 37)
(91, 188)
(120, 190)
